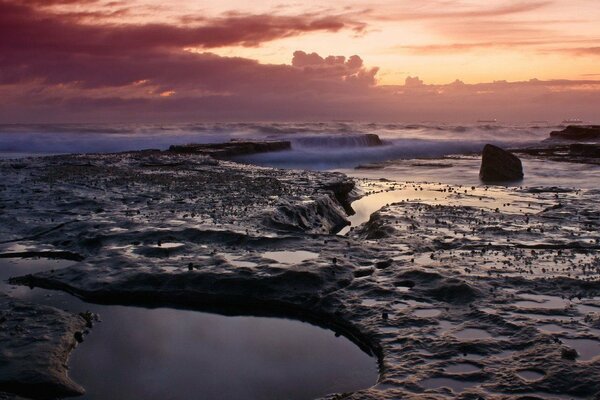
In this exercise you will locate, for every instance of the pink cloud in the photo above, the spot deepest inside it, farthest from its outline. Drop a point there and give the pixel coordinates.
(56, 67)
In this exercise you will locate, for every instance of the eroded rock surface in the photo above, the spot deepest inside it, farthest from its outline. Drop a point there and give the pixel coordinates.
(231, 149)
(35, 342)
(501, 280)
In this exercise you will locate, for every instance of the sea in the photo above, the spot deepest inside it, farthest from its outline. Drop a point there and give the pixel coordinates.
(429, 151)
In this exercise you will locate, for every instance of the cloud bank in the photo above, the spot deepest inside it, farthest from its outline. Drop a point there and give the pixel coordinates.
(60, 66)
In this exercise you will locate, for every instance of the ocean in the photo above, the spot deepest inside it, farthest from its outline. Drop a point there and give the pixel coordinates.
(340, 146)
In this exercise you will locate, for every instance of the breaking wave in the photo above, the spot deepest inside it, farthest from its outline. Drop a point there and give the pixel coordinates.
(315, 145)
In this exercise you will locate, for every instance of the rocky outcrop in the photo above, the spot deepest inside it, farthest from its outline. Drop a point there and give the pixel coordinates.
(373, 140)
(584, 153)
(498, 165)
(344, 191)
(423, 285)
(231, 149)
(578, 132)
(319, 215)
(35, 343)
(584, 150)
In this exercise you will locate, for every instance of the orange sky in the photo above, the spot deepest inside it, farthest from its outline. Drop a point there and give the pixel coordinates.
(75, 59)
(438, 40)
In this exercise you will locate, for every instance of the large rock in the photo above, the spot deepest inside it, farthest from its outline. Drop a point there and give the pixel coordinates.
(35, 342)
(498, 165)
(373, 140)
(578, 132)
(231, 149)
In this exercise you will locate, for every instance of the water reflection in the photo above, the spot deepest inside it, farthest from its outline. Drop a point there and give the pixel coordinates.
(175, 354)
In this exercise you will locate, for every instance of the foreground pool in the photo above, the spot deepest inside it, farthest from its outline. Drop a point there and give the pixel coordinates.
(176, 354)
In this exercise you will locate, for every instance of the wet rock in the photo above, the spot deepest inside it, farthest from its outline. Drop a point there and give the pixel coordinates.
(231, 149)
(498, 165)
(577, 132)
(384, 264)
(462, 266)
(585, 150)
(376, 228)
(454, 291)
(343, 191)
(568, 353)
(320, 215)
(373, 140)
(30, 366)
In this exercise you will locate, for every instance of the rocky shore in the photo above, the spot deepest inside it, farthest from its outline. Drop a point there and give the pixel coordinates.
(464, 276)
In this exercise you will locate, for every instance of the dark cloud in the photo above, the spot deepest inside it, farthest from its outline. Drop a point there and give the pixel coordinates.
(25, 26)
(62, 67)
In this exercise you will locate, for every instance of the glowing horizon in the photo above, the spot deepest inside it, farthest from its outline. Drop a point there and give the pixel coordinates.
(110, 52)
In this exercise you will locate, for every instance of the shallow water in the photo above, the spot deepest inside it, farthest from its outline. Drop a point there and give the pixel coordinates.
(456, 385)
(472, 334)
(290, 257)
(462, 368)
(530, 375)
(167, 353)
(465, 171)
(428, 313)
(385, 193)
(588, 349)
(535, 301)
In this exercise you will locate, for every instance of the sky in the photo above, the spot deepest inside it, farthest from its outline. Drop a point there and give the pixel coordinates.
(388, 60)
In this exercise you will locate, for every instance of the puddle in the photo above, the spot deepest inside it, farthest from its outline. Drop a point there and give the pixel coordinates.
(455, 385)
(472, 334)
(586, 309)
(169, 245)
(236, 262)
(547, 396)
(587, 348)
(290, 257)
(370, 302)
(446, 325)
(167, 353)
(367, 205)
(462, 368)
(428, 313)
(474, 357)
(553, 328)
(531, 375)
(505, 354)
(538, 317)
(399, 306)
(430, 193)
(541, 301)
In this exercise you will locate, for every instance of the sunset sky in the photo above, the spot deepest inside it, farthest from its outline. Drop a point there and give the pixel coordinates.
(150, 60)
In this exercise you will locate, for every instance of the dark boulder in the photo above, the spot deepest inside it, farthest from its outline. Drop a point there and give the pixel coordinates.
(231, 149)
(498, 165)
(373, 140)
(578, 132)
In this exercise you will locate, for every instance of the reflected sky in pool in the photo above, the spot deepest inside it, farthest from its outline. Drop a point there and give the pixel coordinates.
(177, 354)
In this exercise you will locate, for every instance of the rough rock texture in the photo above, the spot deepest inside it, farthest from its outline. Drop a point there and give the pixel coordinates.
(577, 132)
(81, 202)
(35, 342)
(583, 153)
(499, 165)
(463, 275)
(231, 149)
(373, 140)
